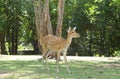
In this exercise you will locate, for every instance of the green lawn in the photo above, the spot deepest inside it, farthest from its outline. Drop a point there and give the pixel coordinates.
(80, 70)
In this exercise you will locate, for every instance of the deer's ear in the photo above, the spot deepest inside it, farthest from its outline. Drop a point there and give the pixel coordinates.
(69, 29)
(74, 28)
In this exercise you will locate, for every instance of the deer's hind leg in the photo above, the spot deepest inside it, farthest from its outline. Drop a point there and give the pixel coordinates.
(44, 59)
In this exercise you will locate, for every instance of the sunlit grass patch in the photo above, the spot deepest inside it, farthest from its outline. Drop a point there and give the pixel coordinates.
(80, 70)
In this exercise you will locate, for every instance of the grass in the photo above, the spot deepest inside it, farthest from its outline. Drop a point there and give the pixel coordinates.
(80, 70)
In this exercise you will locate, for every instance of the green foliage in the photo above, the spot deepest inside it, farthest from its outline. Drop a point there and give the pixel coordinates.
(2, 17)
(17, 22)
(116, 53)
(98, 23)
(117, 2)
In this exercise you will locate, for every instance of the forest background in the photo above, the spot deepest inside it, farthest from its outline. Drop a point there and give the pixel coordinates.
(98, 22)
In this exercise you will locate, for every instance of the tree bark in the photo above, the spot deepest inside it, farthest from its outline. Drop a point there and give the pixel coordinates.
(2, 43)
(42, 18)
(60, 17)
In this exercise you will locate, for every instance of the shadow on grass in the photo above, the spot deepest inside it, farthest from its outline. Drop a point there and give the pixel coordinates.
(80, 70)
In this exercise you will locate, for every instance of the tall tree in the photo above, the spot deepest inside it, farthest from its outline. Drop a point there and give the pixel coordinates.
(42, 18)
(61, 4)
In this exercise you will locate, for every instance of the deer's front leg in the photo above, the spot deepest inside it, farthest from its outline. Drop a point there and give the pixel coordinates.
(65, 59)
(46, 57)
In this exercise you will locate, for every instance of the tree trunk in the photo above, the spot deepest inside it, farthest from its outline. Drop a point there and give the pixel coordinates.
(90, 45)
(2, 42)
(42, 19)
(60, 17)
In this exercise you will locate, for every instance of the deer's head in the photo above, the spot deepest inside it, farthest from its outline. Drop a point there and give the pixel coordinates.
(72, 33)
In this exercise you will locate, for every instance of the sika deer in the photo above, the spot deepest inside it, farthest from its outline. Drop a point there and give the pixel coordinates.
(59, 45)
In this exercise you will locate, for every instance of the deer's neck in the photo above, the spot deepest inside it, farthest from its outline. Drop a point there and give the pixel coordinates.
(68, 41)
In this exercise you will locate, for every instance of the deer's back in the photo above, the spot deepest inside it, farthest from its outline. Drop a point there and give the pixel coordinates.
(54, 42)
